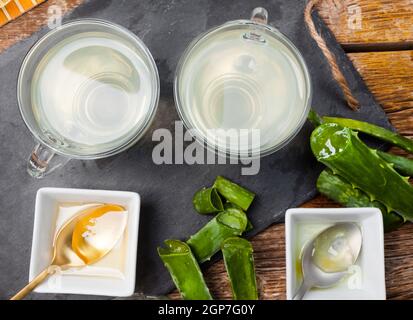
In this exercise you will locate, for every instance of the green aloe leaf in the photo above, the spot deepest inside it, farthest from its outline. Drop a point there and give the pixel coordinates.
(336, 188)
(207, 201)
(208, 240)
(234, 193)
(341, 150)
(239, 263)
(184, 270)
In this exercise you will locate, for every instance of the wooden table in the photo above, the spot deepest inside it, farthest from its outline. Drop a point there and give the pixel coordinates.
(382, 51)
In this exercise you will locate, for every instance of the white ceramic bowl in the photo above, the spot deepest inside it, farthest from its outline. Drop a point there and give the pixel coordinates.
(46, 212)
(366, 280)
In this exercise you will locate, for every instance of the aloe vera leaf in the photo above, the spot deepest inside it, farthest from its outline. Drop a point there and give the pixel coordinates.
(314, 118)
(228, 205)
(373, 130)
(336, 188)
(239, 263)
(402, 165)
(234, 193)
(208, 240)
(207, 200)
(184, 270)
(345, 154)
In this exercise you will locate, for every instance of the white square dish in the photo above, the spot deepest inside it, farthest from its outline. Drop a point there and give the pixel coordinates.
(366, 280)
(46, 212)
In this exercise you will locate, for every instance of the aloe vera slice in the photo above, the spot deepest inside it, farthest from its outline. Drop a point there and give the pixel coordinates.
(184, 270)
(234, 193)
(336, 188)
(345, 154)
(208, 240)
(207, 200)
(239, 263)
(373, 130)
(228, 205)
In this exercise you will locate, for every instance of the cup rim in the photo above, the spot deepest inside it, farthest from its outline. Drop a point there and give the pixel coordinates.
(153, 107)
(198, 136)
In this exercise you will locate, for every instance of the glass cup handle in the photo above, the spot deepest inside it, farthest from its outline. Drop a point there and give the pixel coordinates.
(258, 15)
(43, 161)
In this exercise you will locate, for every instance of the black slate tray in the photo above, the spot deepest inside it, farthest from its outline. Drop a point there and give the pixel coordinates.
(287, 178)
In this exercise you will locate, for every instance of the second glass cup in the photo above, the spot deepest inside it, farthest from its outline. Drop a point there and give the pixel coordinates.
(241, 76)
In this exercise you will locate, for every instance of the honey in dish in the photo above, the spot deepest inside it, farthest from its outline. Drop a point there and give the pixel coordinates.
(112, 219)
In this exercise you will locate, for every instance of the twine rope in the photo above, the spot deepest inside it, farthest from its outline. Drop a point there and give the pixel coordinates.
(335, 69)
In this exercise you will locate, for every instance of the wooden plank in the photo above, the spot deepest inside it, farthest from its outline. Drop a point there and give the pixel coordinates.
(382, 22)
(389, 77)
(386, 22)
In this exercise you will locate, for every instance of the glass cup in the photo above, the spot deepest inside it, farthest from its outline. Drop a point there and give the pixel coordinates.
(86, 90)
(243, 77)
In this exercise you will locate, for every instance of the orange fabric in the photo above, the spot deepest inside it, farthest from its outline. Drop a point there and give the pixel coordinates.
(3, 18)
(13, 10)
(26, 4)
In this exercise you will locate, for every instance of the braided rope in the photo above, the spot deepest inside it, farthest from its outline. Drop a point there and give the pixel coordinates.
(337, 74)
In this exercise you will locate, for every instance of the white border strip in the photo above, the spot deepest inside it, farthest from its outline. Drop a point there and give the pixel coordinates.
(6, 13)
(18, 4)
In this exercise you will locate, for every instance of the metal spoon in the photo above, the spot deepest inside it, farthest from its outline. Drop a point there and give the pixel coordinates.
(327, 257)
(67, 245)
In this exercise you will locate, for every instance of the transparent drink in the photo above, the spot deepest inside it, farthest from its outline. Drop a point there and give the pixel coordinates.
(238, 78)
(91, 91)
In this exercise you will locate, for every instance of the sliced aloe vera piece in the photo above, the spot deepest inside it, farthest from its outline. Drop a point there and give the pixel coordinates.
(234, 193)
(184, 270)
(345, 154)
(336, 188)
(207, 201)
(239, 263)
(208, 240)
(228, 205)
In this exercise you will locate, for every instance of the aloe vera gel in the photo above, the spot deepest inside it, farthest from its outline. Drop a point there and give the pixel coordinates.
(93, 90)
(243, 76)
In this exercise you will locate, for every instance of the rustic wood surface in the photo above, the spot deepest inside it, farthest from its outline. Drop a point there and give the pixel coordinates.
(384, 23)
(382, 51)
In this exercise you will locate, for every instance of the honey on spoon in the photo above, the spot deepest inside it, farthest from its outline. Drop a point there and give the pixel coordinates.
(83, 240)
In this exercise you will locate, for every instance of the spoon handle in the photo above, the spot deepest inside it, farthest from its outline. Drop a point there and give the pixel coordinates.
(34, 283)
(301, 292)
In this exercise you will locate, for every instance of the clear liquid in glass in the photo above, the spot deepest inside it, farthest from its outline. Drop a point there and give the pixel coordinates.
(91, 91)
(230, 82)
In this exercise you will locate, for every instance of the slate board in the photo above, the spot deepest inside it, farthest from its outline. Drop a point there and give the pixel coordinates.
(286, 179)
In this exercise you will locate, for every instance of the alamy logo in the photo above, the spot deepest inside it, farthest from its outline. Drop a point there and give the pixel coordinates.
(55, 14)
(181, 147)
(354, 21)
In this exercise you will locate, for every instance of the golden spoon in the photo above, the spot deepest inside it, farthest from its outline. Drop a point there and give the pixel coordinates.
(71, 249)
